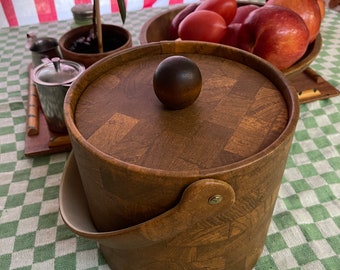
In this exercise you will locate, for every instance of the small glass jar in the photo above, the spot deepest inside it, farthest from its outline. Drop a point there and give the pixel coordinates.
(82, 15)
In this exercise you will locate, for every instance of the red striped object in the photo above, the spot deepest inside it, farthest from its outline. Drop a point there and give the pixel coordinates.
(8, 8)
(77, 2)
(114, 6)
(46, 10)
(40, 11)
(148, 3)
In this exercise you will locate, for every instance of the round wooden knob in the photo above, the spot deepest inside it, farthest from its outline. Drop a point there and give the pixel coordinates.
(177, 82)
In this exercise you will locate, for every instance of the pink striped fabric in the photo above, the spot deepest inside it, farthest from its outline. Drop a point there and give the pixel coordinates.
(9, 12)
(18, 12)
(77, 2)
(46, 10)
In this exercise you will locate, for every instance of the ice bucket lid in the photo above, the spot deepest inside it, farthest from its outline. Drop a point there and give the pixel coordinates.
(244, 107)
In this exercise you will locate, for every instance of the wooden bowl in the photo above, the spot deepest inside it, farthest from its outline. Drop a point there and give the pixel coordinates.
(87, 59)
(157, 28)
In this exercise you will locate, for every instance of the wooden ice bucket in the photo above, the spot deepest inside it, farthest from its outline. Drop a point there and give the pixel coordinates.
(187, 189)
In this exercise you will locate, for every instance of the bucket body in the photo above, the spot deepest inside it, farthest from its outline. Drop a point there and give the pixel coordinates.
(137, 162)
(232, 239)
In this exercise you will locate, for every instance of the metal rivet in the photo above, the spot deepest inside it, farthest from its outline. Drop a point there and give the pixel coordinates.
(216, 199)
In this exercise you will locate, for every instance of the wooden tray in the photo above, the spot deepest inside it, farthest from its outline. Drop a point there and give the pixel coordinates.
(45, 142)
(310, 86)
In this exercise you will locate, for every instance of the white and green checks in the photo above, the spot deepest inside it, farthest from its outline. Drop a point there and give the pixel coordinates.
(305, 228)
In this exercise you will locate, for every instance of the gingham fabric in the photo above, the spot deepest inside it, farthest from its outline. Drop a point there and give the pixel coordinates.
(305, 228)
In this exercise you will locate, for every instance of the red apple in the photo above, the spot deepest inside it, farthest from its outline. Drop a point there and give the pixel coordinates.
(308, 10)
(242, 12)
(276, 34)
(179, 18)
(202, 25)
(231, 36)
(226, 8)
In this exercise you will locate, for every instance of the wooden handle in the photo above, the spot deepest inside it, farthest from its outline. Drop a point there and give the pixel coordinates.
(314, 75)
(308, 94)
(200, 200)
(32, 120)
(56, 141)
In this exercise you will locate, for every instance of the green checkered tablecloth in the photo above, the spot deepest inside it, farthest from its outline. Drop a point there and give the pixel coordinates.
(305, 228)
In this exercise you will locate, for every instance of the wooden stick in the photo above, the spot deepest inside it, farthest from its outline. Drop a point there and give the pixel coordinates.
(32, 120)
(99, 26)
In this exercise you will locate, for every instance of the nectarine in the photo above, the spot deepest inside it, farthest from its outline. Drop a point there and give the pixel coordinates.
(276, 34)
(309, 11)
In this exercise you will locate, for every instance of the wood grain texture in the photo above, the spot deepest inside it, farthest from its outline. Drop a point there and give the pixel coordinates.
(232, 119)
(32, 120)
(45, 142)
(136, 160)
(311, 86)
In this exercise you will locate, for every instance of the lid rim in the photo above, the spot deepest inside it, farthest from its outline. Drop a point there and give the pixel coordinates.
(79, 68)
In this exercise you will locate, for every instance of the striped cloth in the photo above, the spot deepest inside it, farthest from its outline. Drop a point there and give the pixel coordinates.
(23, 12)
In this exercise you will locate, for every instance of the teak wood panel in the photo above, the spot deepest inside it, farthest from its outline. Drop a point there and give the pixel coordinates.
(139, 162)
(238, 113)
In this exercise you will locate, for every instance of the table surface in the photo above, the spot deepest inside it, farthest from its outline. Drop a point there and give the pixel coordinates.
(305, 227)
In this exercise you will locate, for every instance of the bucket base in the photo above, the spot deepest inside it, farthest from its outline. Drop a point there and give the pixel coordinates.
(210, 245)
(173, 258)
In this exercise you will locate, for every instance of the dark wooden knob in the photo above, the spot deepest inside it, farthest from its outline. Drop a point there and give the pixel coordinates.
(177, 82)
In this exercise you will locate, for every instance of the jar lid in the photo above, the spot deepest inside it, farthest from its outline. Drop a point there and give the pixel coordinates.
(40, 44)
(57, 72)
(82, 11)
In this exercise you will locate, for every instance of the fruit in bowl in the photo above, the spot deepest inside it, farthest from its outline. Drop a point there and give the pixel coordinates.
(157, 29)
(308, 10)
(242, 12)
(275, 34)
(225, 8)
(208, 26)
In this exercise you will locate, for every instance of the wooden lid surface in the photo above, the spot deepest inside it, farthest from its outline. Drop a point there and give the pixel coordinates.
(239, 111)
